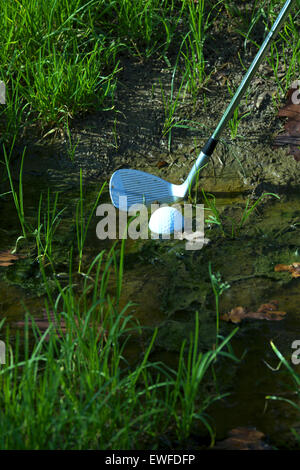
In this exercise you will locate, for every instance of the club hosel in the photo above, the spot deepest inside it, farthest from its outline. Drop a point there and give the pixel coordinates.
(201, 161)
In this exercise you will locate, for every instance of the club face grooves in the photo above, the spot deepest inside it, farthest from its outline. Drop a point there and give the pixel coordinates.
(139, 188)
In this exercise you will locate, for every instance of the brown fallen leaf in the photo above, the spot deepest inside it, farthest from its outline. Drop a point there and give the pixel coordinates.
(60, 327)
(291, 136)
(243, 438)
(293, 268)
(7, 258)
(267, 311)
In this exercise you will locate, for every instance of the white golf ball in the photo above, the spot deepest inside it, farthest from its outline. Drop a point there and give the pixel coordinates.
(166, 220)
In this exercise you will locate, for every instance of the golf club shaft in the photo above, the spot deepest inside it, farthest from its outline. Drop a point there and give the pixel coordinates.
(213, 140)
(253, 68)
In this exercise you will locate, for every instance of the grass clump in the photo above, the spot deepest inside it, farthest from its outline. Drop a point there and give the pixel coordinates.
(230, 227)
(146, 26)
(70, 386)
(55, 62)
(293, 395)
(60, 59)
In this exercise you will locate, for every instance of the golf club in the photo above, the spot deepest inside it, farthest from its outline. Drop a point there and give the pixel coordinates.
(128, 187)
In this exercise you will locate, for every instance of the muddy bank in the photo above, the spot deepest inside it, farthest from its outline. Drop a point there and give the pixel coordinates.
(131, 133)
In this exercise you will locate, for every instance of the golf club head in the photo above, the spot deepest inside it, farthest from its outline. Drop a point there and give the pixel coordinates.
(140, 187)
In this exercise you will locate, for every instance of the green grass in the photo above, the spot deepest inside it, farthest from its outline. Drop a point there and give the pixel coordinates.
(82, 221)
(47, 225)
(16, 194)
(71, 387)
(61, 59)
(230, 227)
(192, 46)
(145, 26)
(284, 55)
(218, 287)
(294, 387)
(171, 102)
(78, 392)
(55, 60)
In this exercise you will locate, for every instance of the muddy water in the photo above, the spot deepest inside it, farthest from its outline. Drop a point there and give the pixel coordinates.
(169, 284)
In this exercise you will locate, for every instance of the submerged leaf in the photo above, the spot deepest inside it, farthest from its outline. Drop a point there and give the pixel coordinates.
(293, 268)
(7, 258)
(265, 312)
(60, 326)
(291, 136)
(243, 438)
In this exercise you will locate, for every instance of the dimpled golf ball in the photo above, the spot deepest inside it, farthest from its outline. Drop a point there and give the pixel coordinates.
(166, 220)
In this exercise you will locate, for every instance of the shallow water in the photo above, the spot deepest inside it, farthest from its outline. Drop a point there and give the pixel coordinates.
(169, 284)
